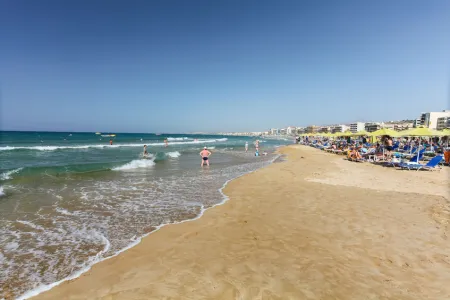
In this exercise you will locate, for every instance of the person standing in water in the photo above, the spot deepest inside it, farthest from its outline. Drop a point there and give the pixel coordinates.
(205, 156)
(166, 142)
(145, 151)
(246, 146)
(110, 142)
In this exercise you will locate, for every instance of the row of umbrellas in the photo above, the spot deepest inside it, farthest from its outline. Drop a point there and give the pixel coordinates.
(416, 132)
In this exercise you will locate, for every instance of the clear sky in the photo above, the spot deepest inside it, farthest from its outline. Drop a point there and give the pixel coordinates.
(233, 65)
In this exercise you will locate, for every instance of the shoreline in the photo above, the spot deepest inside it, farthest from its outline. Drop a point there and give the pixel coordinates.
(224, 230)
(45, 288)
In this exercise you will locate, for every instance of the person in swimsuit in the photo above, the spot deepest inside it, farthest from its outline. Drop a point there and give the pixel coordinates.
(145, 151)
(166, 142)
(389, 147)
(246, 146)
(205, 156)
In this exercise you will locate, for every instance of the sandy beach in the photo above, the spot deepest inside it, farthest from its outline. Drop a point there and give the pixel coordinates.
(312, 227)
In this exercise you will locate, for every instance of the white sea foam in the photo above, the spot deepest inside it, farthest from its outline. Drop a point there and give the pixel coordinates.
(174, 154)
(134, 241)
(32, 225)
(7, 175)
(136, 164)
(178, 139)
(103, 146)
(2, 192)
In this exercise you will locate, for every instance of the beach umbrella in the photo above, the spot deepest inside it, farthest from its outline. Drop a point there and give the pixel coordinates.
(421, 132)
(385, 131)
(360, 133)
(347, 133)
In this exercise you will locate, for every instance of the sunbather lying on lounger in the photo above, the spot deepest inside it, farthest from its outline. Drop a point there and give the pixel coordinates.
(353, 154)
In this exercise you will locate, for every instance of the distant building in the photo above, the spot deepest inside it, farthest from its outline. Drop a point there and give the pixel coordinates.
(283, 131)
(339, 128)
(417, 123)
(398, 125)
(312, 129)
(274, 131)
(324, 129)
(356, 127)
(442, 123)
(301, 130)
(371, 127)
(290, 130)
(429, 119)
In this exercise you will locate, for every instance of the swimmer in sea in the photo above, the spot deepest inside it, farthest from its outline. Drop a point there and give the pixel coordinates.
(205, 156)
(110, 142)
(246, 146)
(166, 142)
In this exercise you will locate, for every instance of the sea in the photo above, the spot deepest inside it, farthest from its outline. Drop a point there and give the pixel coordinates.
(69, 200)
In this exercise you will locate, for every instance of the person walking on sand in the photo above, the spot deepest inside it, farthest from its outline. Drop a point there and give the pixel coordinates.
(205, 156)
(246, 146)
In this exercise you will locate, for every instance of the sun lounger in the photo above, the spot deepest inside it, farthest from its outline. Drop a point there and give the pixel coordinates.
(412, 160)
(433, 164)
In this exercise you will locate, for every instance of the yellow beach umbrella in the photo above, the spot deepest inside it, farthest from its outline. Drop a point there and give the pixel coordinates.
(421, 131)
(325, 134)
(385, 131)
(360, 133)
(347, 133)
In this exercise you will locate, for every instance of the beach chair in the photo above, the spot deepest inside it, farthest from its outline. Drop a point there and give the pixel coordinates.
(412, 160)
(433, 164)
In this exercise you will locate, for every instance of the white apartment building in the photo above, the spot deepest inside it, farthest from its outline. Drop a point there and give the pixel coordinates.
(356, 127)
(300, 130)
(290, 130)
(417, 123)
(274, 131)
(442, 123)
(430, 119)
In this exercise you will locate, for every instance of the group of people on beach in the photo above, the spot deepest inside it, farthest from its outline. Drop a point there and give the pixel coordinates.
(205, 153)
(384, 149)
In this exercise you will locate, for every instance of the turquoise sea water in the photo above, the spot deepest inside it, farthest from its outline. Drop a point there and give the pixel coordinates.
(68, 200)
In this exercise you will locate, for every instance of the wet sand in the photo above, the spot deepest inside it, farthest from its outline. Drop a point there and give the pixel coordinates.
(312, 227)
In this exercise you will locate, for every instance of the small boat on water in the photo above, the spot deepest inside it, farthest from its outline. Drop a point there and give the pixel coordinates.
(108, 135)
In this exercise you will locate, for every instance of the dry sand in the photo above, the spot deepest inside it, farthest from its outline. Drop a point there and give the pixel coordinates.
(313, 227)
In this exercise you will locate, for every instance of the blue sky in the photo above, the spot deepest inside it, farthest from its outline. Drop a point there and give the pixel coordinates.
(178, 66)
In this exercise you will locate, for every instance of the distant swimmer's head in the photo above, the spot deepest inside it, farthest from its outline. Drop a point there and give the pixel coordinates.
(145, 146)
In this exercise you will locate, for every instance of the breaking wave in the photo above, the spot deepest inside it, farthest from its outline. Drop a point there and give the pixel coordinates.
(53, 148)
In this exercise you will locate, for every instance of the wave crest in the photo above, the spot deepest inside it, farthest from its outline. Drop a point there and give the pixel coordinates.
(174, 154)
(103, 146)
(7, 175)
(136, 164)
